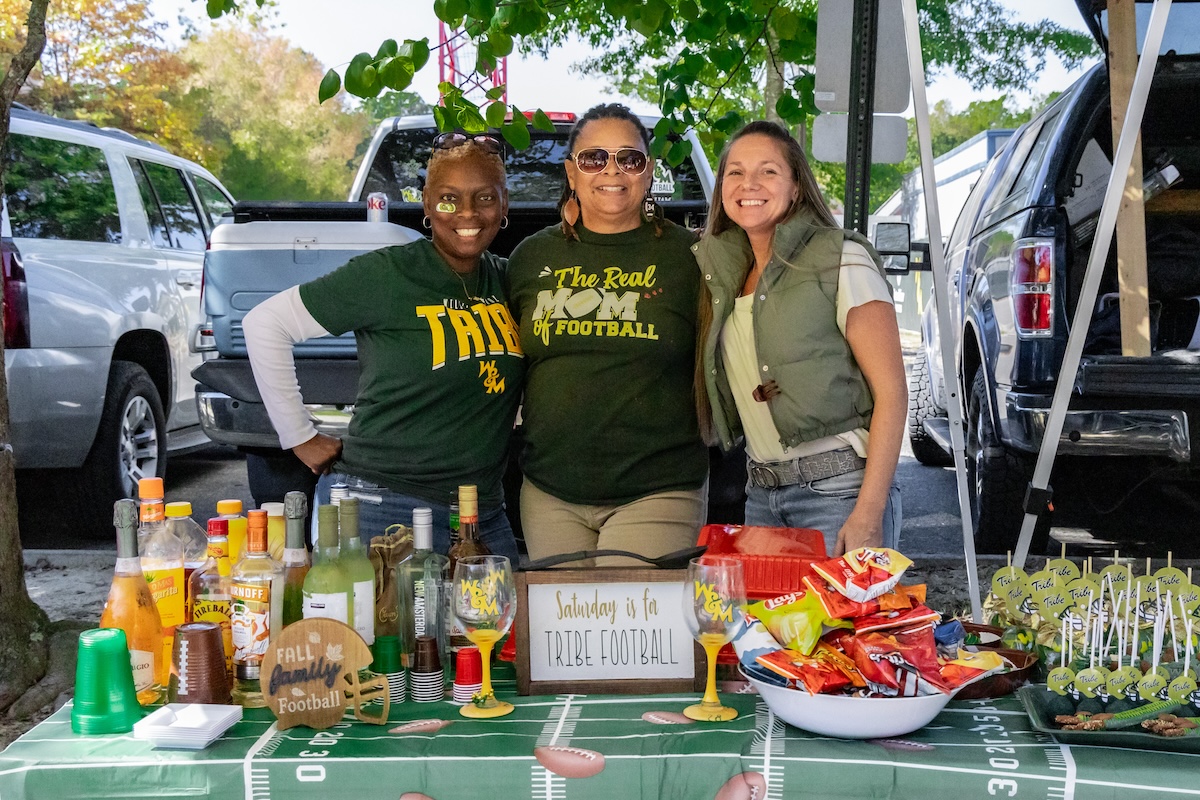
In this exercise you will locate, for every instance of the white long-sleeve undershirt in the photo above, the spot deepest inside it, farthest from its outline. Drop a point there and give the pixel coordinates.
(271, 328)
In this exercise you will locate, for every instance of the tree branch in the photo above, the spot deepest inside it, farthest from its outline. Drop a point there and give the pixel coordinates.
(24, 60)
(741, 63)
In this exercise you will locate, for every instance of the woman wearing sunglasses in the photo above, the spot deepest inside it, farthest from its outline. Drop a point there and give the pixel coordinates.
(800, 348)
(439, 356)
(606, 304)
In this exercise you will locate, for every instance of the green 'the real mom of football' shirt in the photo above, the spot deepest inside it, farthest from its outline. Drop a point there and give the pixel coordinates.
(441, 369)
(608, 325)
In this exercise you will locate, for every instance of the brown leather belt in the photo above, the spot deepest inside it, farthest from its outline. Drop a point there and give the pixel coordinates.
(807, 469)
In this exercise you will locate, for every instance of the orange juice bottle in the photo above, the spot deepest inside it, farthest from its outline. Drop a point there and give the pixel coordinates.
(162, 561)
(131, 608)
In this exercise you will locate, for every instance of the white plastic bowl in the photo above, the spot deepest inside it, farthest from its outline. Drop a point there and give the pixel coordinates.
(850, 717)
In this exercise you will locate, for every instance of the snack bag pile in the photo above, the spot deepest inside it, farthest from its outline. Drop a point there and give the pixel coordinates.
(854, 629)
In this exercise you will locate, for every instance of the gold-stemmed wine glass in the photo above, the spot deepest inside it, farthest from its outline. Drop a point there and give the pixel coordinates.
(484, 603)
(712, 595)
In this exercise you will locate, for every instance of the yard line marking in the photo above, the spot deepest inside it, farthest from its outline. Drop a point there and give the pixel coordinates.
(248, 776)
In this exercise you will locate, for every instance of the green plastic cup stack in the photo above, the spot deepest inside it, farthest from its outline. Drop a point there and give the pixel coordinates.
(105, 699)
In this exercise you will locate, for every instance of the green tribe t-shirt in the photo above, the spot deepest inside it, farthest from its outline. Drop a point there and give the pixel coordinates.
(608, 324)
(441, 369)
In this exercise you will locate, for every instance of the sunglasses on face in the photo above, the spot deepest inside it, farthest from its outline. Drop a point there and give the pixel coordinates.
(594, 160)
(449, 141)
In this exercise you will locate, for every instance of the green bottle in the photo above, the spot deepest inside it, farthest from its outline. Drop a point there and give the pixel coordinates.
(295, 557)
(358, 568)
(327, 589)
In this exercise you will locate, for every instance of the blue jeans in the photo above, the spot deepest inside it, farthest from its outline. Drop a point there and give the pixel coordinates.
(379, 507)
(824, 505)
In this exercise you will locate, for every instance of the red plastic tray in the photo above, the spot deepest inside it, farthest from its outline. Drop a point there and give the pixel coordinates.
(774, 560)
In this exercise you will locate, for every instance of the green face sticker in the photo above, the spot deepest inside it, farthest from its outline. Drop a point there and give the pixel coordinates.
(447, 208)
(1060, 680)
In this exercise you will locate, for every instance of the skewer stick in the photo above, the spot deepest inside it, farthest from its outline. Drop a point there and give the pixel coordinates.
(1147, 565)
(1187, 632)
(1125, 626)
(1168, 559)
(1170, 622)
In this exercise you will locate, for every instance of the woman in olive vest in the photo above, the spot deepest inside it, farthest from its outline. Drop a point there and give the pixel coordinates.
(799, 349)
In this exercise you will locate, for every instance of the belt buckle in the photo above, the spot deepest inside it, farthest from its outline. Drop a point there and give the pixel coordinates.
(764, 476)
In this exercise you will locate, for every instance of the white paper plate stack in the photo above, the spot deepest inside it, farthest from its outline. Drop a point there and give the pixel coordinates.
(187, 726)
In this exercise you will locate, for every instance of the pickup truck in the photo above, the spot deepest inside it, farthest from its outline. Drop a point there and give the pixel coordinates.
(263, 248)
(1015, 262)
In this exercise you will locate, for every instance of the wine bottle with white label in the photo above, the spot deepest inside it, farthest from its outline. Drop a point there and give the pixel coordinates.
(357, 565)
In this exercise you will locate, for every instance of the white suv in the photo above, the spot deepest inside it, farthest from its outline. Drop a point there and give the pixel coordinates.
(103, 238)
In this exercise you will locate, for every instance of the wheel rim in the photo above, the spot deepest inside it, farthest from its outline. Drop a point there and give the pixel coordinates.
(138, 444)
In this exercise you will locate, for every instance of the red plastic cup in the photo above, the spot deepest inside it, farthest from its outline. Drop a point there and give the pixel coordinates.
(468, 667)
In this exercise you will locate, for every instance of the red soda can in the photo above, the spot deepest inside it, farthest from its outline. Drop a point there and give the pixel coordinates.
(377, 207)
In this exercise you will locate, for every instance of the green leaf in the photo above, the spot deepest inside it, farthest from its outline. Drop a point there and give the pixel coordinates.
(358, 80)
(542, 122)
(442, 119)
(724, 58)
(784, 23)
(680, 151)
(396, 73)
(469, 118)
(482, 9)
(331, 84)
(450, 11)
(386, 50)
(501, 43)
(527, 21)
(659, 146)
(215, 8)
(728, 123)
(516, 132)
(651, 18)
(495, 93)
(420, 53)
(662, 128)
(788, 108)
(495, 114)
(485, 60)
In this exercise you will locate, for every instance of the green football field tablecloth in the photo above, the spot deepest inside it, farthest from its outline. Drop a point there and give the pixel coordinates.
(972, 750)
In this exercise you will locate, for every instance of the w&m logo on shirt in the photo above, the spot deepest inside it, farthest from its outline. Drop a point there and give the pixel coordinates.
(493, 382)
(604, 296)
(483, 329)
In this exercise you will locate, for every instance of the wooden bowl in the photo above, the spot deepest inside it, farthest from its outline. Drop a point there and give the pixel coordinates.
(1002, 683)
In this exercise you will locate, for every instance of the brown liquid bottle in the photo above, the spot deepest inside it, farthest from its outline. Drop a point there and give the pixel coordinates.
(468, 543)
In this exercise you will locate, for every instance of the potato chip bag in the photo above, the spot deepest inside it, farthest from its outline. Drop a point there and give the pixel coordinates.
(796, 620)
(885, 620)
(865, 573)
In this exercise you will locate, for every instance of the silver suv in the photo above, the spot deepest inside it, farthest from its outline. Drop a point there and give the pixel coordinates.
(103, 238)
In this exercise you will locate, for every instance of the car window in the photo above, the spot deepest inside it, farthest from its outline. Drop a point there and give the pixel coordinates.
(535, 174)
(1033, 161)
(159, 235)
(183, 220)
(1016, 162)
(970, 210)
(215, 201)
(60, 190)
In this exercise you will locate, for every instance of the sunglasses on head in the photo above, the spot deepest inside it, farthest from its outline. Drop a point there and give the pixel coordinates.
(453, 139)
(594, 160)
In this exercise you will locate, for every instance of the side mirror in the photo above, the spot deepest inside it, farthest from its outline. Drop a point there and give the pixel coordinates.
(893, 241)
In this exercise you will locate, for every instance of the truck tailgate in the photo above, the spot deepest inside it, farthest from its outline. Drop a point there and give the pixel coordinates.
(247, 263)
(1173, 373)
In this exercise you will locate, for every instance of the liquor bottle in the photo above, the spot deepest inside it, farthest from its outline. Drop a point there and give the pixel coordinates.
(420, 579)
(295, 556)
(162, 562)
(256, 611)
(276, 530)
(131, 608)
(195, 544)
(327, 590)
(232, 510)
(469, 544)
(209, 586)
(454, 524)
(357, 566)
(151, 508)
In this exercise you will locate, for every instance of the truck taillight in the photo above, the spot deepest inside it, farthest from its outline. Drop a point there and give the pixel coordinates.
(16, 297)
(1032, 282)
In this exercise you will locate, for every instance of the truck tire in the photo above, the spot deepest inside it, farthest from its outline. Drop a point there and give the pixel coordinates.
(998, 478)
(921, 408)
(131, 443)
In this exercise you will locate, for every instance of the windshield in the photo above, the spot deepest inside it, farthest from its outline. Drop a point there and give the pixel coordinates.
(534, 175)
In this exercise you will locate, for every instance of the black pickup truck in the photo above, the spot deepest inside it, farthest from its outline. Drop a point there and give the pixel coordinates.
(263, 248)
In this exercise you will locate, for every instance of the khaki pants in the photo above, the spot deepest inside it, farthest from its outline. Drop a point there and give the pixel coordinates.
(650, 526)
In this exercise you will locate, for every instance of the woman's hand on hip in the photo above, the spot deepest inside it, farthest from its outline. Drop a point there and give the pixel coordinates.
(319, 453)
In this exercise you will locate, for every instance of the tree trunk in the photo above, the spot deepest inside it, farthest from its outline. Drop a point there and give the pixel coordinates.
(774, 87)
(23, 625)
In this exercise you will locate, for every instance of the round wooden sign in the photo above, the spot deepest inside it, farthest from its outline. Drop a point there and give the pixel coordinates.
(310, 672)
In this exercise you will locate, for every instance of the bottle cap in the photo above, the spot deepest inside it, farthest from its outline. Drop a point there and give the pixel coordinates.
(229, 506)
(125, 513)
(468, 502)
(150, 489)
(181, 509)
(218, 527)
(422, 529)
(272, 509)
(256, 531)
(338, 492)
(327, 526)
(295, 505)
(348, 506)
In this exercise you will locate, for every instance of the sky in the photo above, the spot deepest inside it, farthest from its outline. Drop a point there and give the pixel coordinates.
(335, 32)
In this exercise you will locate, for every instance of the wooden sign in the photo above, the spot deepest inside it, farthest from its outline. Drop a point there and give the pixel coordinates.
(310, 672)
(608, 630)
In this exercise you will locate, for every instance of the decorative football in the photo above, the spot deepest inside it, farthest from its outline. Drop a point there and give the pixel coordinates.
(569, 762)
(743, 786)
(666, 718)
(415, 796)
(422, 726)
